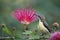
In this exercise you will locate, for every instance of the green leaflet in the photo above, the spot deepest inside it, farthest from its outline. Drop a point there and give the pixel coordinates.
(27, 32)
(6, 30)
(34, 37)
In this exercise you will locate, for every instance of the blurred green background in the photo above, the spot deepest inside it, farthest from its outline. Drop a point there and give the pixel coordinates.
(49, 8)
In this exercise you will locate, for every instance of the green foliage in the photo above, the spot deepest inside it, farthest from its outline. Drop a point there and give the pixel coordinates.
(5, 29)
(27, 32)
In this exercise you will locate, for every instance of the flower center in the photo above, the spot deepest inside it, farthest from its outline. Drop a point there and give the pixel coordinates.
(25, 22)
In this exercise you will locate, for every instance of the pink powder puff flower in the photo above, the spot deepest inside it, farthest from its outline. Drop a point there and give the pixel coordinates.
(25, 16)
(55, 36)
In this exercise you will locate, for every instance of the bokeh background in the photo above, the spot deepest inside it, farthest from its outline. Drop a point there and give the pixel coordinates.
(49, 8)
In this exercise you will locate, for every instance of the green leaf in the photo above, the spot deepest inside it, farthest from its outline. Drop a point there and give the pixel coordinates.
(6, 30)
(34, 37)
(47, 36)
(27, 32)
(18, 35)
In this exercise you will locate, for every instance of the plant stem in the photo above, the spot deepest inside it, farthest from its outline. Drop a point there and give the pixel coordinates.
(26, 27)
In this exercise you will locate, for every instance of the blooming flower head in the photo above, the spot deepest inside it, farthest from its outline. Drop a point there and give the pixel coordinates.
(55, 36)
(25, 16)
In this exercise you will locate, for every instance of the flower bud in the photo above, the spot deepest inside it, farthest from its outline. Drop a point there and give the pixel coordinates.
(56, 24)
(3, 25)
